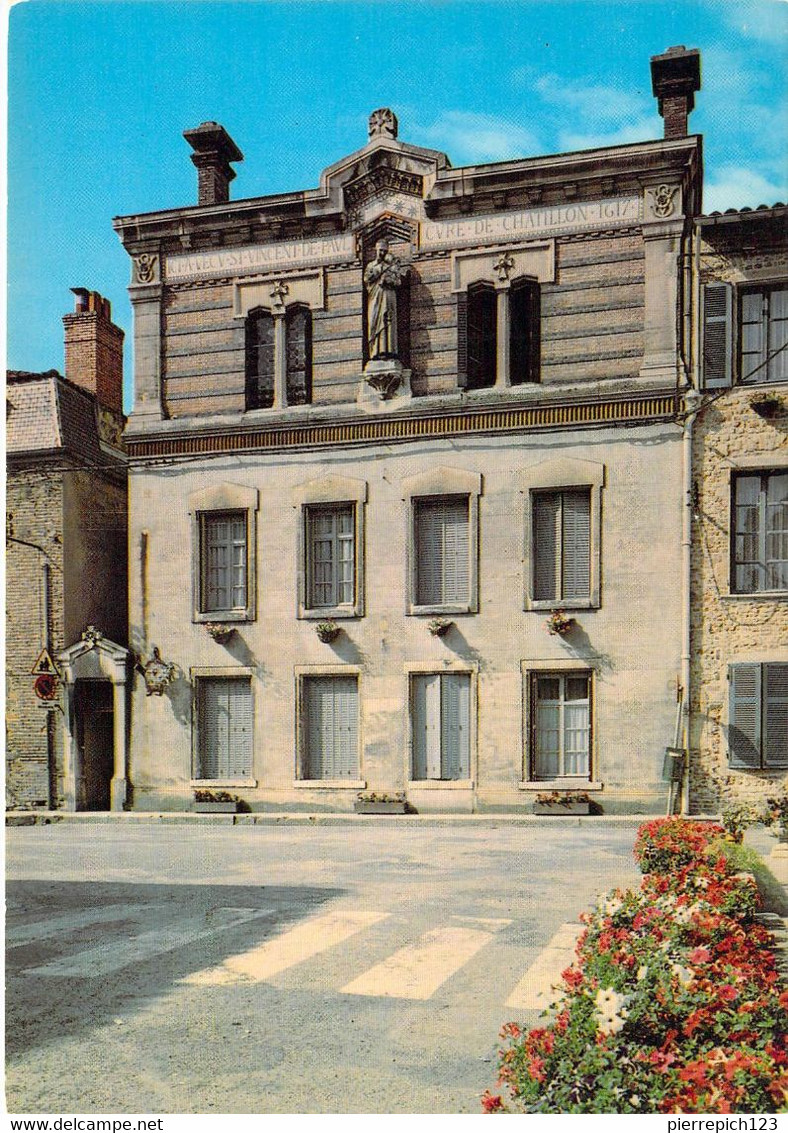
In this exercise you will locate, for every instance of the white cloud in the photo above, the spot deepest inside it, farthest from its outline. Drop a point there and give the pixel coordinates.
(764, 20)
(468, 137)
(735, 186)
(644, 129)
(594, 102)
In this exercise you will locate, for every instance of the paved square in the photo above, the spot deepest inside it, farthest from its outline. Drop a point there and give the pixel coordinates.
(361, 967)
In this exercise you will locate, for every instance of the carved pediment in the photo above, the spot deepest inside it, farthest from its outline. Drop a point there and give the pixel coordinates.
(397, 230)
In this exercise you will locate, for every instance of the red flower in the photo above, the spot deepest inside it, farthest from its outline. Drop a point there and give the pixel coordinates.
(699, 956)
(491, 1103)
(727, 993)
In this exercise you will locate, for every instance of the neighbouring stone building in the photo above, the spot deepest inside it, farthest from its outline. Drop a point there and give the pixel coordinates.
(739, 737)
(65, 565)
(388, 434)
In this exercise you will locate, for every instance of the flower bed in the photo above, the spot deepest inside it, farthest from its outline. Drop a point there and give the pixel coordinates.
(673, 1004)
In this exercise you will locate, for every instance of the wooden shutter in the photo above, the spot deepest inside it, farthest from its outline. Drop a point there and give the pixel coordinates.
(744, 716)
(576, 544)
(331, 728)
(775, 732)
(461, 311)
(225, 728)
(455, 726)
(427, 726)
(717, 335)
(442, 552)
(546, 543)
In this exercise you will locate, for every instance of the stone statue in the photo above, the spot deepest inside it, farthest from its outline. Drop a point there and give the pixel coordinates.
(382, 277)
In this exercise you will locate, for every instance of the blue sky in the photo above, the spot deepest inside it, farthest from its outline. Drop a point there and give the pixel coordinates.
(100, 93)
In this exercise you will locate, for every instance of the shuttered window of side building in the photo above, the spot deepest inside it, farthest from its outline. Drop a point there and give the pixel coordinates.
(442, 551)
(441, 726)
(758, 716)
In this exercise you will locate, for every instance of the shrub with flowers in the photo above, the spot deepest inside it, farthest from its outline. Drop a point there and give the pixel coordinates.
(673, 1003)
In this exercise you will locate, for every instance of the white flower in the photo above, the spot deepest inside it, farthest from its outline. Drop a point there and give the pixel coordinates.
(682, 915)
(685, 976)
(642, 972)
(611, 1010)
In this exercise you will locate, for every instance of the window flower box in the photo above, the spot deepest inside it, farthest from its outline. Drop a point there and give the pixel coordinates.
(327, 631)
(564, 803)
(380, 804)
(559, 623)
(219, 631)
(215, 802)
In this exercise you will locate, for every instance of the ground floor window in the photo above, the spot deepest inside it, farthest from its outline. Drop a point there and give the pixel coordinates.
(758, 716)
(224, 728)
(561, 731)
(330, 727)
(441, 726)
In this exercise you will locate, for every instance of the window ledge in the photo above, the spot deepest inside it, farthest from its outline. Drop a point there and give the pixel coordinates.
(333, 784)
(543, 605)
(326, 613)
(416, 611)
(756, 595)
(440, 785)
(560, 785)
(209, 784)
(235, 616)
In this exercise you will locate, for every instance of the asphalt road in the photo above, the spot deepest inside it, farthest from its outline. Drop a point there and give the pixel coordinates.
(275, 969)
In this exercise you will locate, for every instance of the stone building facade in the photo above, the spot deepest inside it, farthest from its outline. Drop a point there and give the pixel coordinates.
(65, 553)
(388, 434)
(739, 738)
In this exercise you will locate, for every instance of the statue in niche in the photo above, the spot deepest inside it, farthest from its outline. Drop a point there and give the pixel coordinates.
(382, 278)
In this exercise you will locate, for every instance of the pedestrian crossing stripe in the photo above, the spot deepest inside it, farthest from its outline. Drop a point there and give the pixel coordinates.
(112, 956)
(299, 943)
(418, 970)
(536, 990)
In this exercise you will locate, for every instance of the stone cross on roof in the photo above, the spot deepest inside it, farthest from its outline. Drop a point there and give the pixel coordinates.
(383, 123)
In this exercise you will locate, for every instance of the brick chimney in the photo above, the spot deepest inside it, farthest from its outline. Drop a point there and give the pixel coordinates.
(675, 76)
(214, 149)
(94, 348)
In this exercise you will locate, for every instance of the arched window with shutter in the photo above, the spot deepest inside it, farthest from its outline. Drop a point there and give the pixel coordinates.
(259, 359)
(298, 348)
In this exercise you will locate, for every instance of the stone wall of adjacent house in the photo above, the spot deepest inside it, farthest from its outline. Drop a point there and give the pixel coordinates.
(33, 734)
(591, 327)
(726, 627)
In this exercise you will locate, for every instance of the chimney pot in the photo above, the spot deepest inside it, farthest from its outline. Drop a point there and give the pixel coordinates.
(214, 150)
(675, 76)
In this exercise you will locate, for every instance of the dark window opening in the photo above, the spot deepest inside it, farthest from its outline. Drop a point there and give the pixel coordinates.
(524, 337)
(481, 321)
(298, 349)
(259, 359)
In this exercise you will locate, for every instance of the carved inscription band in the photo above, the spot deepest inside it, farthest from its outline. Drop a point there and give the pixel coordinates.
(500, 227)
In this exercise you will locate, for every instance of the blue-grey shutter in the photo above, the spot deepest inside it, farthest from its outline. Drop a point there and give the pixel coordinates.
(332, 728)
(427, 726)
(225, 728)
(462, 339)
(546, 536)
(717, 347)
(775, 732)
(776, 507)
(744, 716)
(576, 544)
(442, 552)
(455, 726)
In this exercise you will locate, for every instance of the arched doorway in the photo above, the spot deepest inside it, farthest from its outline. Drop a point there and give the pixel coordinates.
(95, 739)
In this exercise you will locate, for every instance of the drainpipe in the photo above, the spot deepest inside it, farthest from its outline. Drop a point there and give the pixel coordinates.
(692, 406)
(46, 576)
